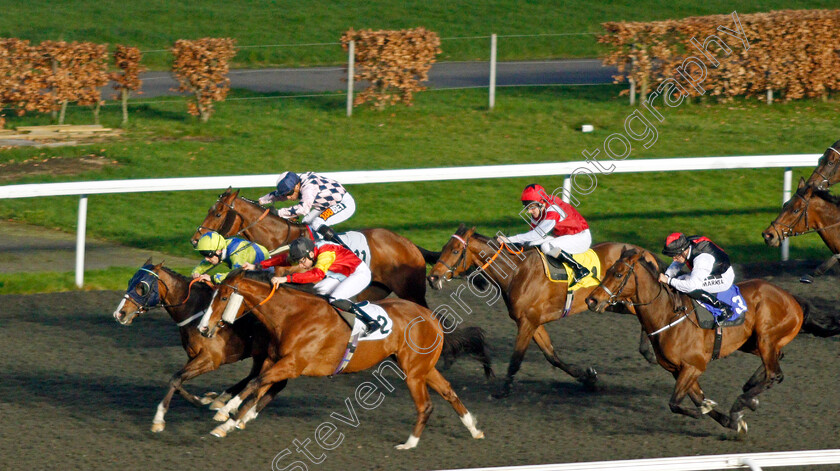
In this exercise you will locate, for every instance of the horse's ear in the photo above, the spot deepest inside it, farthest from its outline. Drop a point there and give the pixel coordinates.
(157, 267)
(236, 193)
(148, 261)
(461, 228)
(801, 183)
(471, 231)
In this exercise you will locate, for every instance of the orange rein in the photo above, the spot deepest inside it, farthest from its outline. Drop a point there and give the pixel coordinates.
(498, 252)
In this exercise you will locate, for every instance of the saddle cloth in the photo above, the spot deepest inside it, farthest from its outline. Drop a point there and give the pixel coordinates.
(355, 241)
(560, 273)
(377, 312)
(706, 314)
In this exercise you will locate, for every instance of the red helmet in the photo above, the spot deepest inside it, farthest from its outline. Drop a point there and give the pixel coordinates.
(533, 193)
(675, 244)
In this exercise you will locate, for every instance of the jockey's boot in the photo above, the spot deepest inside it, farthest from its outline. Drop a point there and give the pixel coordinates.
(580, 271)
(346, 305)
(712, 300)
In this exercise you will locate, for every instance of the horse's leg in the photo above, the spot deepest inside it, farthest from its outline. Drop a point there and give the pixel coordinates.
(772, 374)
(707, 406)
(589, 377)
(271, 374)
(232, 406)
(420, 394)
(272, 391)
(523, 338)
(249, 410)
(686, 378)
(437, 382)
(646, 349)
(228, 393)
(196, 366)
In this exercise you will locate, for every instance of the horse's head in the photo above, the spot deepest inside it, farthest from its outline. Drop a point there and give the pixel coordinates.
(221, 217)
(618, 284)
(142, 293)
(826, 173)
(793, 219)
(227, 304)
(455, 258)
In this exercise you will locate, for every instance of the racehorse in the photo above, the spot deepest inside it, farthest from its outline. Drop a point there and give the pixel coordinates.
(809, 210)
(826, 173)
(154, 286)
(309, 338)
(773, 319)
(396, 264)
(531, 298)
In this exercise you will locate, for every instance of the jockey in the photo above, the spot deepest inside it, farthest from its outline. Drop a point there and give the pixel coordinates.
(711, 271)
(323, 202)
(336, 271)
(556, 227)
(233, 252)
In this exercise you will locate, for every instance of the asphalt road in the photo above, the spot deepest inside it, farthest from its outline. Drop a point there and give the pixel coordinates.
(442, 75)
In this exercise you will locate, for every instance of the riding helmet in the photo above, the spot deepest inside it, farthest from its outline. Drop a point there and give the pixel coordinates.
(211, 241)
(675, 244)
(300, 248)
(286, 184)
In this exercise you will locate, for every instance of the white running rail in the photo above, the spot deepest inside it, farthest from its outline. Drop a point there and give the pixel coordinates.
(83, 189)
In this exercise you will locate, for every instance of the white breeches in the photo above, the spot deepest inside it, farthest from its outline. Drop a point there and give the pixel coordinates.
(338, 212)
(571, 244)
(346, 288)
(717, 284)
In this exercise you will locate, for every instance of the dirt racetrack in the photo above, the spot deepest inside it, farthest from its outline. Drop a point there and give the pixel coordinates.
(79, 391)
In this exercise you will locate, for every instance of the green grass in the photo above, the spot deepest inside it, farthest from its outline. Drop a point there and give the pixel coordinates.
(154, 25)
(444, 128)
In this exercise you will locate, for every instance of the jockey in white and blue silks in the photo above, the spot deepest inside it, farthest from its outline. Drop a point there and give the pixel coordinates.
(711, 271)
(323, 202)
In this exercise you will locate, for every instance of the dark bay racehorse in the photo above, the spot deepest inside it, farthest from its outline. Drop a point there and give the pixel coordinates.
(154, 286)
(826, 173)
(309, 339)
(684, 349)
(396, 264)
(531, 298)
(809, 210)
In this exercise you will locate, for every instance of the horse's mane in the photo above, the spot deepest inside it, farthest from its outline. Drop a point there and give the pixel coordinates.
(265, 277)
(272, 212)
(824, 194)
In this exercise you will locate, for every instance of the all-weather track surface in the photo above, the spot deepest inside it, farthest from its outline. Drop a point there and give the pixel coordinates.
(79, 391)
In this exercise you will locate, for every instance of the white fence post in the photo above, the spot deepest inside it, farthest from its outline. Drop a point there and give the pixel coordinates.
(492, 70)
(351, 65)
(567, 188)
(785, 246)
(80, 241)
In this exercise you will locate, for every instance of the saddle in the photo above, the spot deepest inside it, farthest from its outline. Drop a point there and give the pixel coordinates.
(558, 272)
(706, 315)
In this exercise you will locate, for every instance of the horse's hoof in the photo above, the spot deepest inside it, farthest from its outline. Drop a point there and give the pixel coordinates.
(219, 432)
(590, 379)
(240, 425)
(752, 404)
(217, 404)
(479, 435)
(207, 398)
(808, 279)
(158, 427)
(220, 416)
(707, 406)
(742, 427)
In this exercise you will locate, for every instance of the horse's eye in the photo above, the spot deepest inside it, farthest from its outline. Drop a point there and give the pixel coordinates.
(796, 211)
(619, 275)
(224, 298)
(218, 215)
(143, 289)
(830, 162)
(456, 252)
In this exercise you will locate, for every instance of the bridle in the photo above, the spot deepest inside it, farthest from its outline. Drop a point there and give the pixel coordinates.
(631, 270)
(228, 226)
(152, 299)
(462, 260)
(827, 179)
(789, 230)
(221, 322)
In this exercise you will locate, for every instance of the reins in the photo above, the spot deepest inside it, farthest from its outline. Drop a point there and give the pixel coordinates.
(790, 232)
(498, 252)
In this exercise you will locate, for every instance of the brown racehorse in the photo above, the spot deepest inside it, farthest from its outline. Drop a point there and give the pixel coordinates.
(683, 348)
(154, 286)
(826, 173)
(309, 339)
(810, 210)
(531, 298)
(396, 264)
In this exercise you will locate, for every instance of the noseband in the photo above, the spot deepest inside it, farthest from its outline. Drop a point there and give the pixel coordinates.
(827, 179)
(462, 260)
(225, 227)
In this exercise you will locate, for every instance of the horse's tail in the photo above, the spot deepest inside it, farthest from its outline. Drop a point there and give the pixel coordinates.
(814, 325)
(470, 340)
(430, 257)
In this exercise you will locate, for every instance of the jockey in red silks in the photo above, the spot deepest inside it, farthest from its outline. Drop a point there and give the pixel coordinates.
(556, 227)
(336, 271)
(711, 271)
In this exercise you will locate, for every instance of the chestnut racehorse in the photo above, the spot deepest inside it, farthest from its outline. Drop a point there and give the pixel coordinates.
(773, 319)
(396, 264)
(809, 210)
(826, 173)
(309, 339)
(155, 286)
(531, 298)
